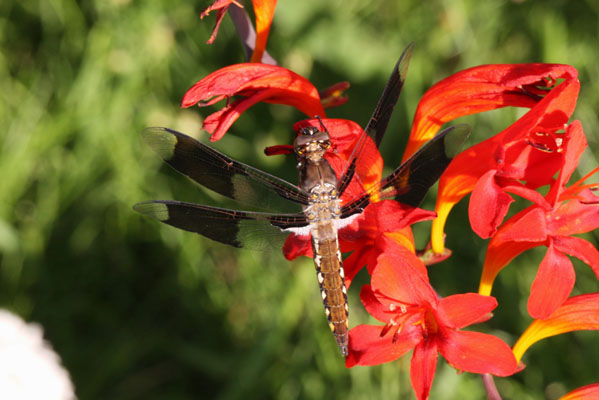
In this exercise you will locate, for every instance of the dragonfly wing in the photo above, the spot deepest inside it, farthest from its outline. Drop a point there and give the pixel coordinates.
(377, 125)
(242, 229)
(410, 182)
(222, 174)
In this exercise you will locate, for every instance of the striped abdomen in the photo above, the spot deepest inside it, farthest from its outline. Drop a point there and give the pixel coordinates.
(329, 269)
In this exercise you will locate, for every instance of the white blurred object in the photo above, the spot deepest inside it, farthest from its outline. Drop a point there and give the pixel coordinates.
(29, 367)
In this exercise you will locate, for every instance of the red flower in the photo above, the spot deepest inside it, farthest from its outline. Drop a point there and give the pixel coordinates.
(255, 83)
(263, 10)
(575, 314)
(550, 222)
(401, 296)
(527, 151)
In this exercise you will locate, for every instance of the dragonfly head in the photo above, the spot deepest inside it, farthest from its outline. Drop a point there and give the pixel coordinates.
(312, 143)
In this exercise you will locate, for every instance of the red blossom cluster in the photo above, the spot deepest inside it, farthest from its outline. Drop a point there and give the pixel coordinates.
(538, 151)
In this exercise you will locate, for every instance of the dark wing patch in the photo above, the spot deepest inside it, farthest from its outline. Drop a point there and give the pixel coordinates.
(243, 229)
(222, 174)
(410, 182)
(376, 127)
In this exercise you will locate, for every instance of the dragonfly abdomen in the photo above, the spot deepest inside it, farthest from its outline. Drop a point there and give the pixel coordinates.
(329, 270)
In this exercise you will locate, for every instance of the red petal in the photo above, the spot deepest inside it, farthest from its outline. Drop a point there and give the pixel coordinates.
(264, 11)
(580, 249)
(356, 261)
(384, 217)
(333, 96)
(574, 147)
(218, 123)
(221, 6)
(526, 226)
(258, 82)
(572, 217)
(532, 195)
(577, 313)
(278, 149)
(552, 285)
(499, 254)
(297, 245)
(422, 368)
(373, 306)
(216, 5)
(400, 277)
(477, 352)
(479, 89)
(461, 310)
(488, 206)
(367, 347)
(587, 392)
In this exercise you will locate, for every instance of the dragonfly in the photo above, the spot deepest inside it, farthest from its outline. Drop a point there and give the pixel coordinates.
(313, 206)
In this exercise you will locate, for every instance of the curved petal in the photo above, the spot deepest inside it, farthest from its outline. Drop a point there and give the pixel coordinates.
(385, 217)
(499, 254)
(257, 82)
(529, 225)
(373, 306)
(461, 310)
(477, 352)
(552, 285)
(365, 250)
(422, 368)
(575, 145)
(400, 277)
(576, 314)
(297, 245)
(526, 193)
(580, 249)
(218, 123)
(574, 216)
(403, 237)
(454, 184)
(367, 347)
(334, 95)
(479, 89)
(355, 262)
(221, 6)
(488, 206)
(264, 11)
(585, 392)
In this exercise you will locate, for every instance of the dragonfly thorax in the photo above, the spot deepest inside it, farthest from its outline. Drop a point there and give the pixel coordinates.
(324, 204)
(316, 176)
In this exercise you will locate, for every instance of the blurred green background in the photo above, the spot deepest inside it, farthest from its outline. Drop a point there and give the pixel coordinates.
(141, 310)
